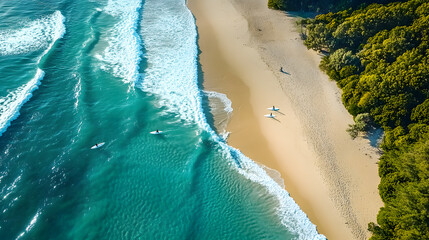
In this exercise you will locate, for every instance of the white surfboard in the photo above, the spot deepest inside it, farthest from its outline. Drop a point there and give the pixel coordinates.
(273, 109)
(270, 116)
(156, 133)
(97, 145)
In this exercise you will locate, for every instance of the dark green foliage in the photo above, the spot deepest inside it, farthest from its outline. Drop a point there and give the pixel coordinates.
(386, 46)
(320, 5)
(276, 4)
(420, 113)
(362, 124)
(404, 188)
(379, 56)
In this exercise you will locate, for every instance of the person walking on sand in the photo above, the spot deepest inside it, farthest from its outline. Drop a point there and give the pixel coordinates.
(281, 69)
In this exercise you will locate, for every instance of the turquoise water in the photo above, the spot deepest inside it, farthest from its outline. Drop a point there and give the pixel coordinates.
(76, 73)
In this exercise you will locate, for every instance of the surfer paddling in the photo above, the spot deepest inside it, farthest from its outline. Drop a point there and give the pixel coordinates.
(97, 145)
(156, 132)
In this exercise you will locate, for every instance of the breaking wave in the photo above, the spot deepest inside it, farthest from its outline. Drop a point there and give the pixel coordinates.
(33, 36)
(42, 33)
(172, 75)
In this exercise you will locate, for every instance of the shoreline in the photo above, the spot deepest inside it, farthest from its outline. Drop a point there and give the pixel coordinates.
(332, 178)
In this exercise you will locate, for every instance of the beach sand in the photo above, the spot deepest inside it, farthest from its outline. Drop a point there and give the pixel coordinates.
(333, 178)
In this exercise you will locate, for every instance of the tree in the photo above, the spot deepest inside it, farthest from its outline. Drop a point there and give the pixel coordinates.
(379, 56)
(276, 4)
(405, 214)
(362, 124)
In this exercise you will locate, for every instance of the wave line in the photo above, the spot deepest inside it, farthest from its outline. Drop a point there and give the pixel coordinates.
(12, 103)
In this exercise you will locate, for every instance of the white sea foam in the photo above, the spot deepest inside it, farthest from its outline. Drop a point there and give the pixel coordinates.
(222, 97)
(172, 76)
(10, 104)
(171, 56)
(77, 90)
(33, 36)
(30, 225)
(12, 187)
(122, 56)
(221, 110)
(291, 215)
(32, 222)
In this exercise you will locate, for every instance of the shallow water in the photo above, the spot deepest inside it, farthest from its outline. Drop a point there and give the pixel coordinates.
(112, 71)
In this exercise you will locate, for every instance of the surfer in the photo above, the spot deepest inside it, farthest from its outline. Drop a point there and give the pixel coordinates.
(274, 108)
(271, 114)
(157, 131)
(281, 69)
(97, 145)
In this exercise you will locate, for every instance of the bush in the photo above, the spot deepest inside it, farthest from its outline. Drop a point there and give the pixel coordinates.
(362, 124)
(276, 4)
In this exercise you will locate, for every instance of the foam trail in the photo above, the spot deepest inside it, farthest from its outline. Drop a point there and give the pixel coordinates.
(291, 215)
(173, 76)
(30, 225)
(34, 36)
(122, 56)
(10, 105)
(77, 90)
(225, 100)
(221, 112)
(11, 188)
(171, 54)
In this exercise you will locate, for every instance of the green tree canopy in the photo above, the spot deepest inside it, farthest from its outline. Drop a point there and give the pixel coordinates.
(379, 56)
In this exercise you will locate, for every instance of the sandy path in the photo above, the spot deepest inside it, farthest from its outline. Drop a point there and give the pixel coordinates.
(333, 178)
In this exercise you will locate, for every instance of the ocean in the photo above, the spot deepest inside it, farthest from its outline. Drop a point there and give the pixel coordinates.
(74, 73)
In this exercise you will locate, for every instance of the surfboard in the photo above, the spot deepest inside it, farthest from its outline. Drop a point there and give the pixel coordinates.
(156, 133)
(273, 109)
(97, 145)
(270, 116)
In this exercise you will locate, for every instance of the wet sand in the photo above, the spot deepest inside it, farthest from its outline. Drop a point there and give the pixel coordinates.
(333, 178)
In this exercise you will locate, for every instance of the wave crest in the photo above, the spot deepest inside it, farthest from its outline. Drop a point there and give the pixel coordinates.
(47, 31)
(34, 36)
(122, 56)
(172, 75)
(10, 105)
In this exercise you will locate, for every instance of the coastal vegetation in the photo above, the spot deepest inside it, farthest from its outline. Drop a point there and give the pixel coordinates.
(320, 5)
(363, 123)
(379, 56)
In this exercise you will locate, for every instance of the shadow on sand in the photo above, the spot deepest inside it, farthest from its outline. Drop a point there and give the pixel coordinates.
(284, 72)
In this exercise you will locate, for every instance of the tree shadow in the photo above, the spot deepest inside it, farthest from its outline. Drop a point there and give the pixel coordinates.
(301, 14)
(323, 53)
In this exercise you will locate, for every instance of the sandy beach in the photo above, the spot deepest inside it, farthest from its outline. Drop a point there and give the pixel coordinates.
(333, 178)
